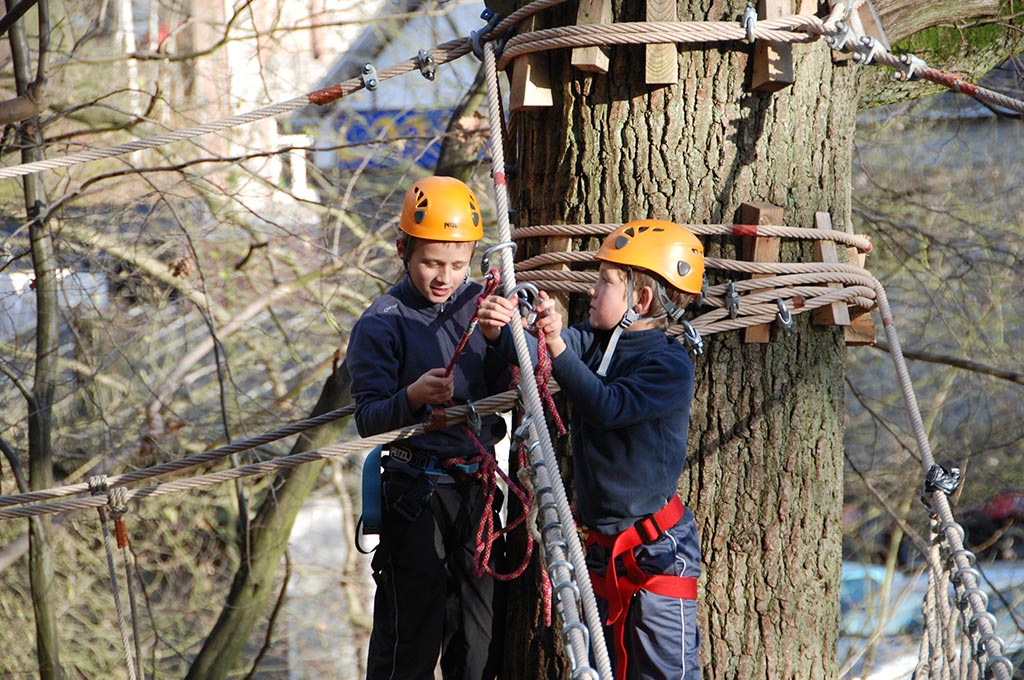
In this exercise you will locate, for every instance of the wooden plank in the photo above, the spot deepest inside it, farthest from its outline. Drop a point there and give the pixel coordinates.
(865, 21)
(773, 63)
(861, 330)
(594, 58)
(837, 313)
(662, 65)
(531, 80)
(759, 249)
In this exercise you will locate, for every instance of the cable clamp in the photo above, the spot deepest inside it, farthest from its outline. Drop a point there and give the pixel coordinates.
(476, 38)
(908, 64)
(703, 290)
(426, 64)
(692, 339)
(369, 77)
(838, 40)
(749, 21)
(732, 299)
(942, 479)
(866, 50)
(784, 317)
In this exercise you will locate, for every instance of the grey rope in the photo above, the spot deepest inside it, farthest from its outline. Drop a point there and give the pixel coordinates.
(99, 489)
(455, 414)
(180, 464)
(578, 644)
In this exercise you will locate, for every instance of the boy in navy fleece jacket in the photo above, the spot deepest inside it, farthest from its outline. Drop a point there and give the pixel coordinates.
(428, 600)
(630, 386)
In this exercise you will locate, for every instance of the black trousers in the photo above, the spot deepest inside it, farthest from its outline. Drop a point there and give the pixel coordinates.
(428, 601)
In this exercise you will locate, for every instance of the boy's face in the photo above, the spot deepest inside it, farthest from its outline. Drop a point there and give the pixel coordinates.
(437, 268)
(608, 297)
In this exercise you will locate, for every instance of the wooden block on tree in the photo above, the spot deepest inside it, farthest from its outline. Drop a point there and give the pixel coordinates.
(861, 330)
(595, 57)
(531, 81)
(865, 21)
(662, 66)
(773, 63)
(837, 313)
(759, 249)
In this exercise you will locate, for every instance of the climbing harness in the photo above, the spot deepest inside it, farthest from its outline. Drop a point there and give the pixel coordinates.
(618, 590)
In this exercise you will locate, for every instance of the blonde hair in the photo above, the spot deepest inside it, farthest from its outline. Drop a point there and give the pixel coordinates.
(656, 312)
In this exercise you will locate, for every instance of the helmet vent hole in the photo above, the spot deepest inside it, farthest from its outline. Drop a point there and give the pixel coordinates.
(419, 215)
(629, 232)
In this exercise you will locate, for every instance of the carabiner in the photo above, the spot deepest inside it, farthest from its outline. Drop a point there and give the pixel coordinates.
(527, 309)
(784, 317)
(485, 259)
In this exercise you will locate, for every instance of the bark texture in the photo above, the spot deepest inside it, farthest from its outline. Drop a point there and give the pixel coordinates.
(764, 476)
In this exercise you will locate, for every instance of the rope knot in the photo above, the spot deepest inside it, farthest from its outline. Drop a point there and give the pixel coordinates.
(117, 498)
(98, 485)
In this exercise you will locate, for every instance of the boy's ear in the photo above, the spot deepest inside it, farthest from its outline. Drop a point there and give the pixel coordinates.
(400, 247)
(644, 298)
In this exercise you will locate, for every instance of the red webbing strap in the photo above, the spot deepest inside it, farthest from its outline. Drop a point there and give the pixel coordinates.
(619, 592)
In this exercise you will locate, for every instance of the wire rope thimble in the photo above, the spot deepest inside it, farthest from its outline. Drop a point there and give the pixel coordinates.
(485, 258)
(368, 76)
(426, 64)
(784, 317)
(732, 299)
(749, 22)
(692, 338)
(473, 418)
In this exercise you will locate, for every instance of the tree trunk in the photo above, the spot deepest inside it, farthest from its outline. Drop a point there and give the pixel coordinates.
(765, 458)
(253, 584)
(40, 411)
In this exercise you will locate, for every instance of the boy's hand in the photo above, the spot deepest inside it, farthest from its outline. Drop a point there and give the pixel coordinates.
(433, 387)
(493, 314)
(549, 322)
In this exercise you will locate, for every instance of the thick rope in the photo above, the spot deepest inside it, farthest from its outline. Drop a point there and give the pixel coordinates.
(181, 464)
(564, 574)
(495, 404)
(99, 489)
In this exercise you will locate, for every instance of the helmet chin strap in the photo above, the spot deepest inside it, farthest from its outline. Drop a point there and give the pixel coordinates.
(627, 320)
(674, 313)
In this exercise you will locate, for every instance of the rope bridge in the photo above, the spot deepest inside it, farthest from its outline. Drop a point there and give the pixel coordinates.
(779, 291)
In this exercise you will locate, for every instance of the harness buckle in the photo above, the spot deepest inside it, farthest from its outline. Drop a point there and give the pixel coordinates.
(647, 529)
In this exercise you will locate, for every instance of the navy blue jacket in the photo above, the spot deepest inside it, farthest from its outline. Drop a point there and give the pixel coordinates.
(401, 336)
(629, 429)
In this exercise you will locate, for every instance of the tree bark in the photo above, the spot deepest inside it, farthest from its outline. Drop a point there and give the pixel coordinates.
(253, 584)
(765, 458)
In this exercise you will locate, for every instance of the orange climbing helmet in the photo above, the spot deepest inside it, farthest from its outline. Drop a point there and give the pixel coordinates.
(441, 209)
(665, 248)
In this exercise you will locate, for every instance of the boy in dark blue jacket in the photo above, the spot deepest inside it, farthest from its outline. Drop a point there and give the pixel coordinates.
(428, 599)
(630, 386)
